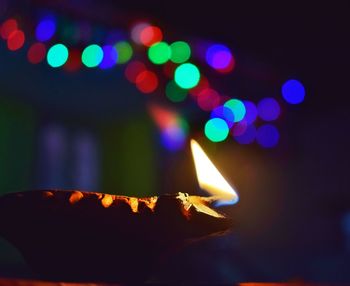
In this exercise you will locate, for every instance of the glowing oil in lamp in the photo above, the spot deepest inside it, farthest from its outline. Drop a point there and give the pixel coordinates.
(83, 236)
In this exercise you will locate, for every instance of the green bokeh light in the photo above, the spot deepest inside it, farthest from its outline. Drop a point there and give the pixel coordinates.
(124, 51)
(159, 53)
(237, 107)
(92, 56)
(174, 92)
(216, 130)
(187, 75)
(180, 52)
(57, 55)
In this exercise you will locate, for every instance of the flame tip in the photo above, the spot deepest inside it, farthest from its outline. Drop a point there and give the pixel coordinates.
(209, 177)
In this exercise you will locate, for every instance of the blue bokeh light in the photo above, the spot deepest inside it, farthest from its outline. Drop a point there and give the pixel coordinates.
(293, 91)
(110, 57)
(224, 113)
(45, 29)
(269, 109)
(251, 112)
(248, 136)
(173, 138)
(267, 136)
(218, 56)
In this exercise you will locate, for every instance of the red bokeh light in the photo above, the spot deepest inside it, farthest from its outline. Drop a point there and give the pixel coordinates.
(15, 40)
(208, 99)
(229, 67)
(36, 53)
(239, 128)
(147, 82)
(151, 35)
(169, 69)
(202, 85)
(8, 27)
(133, 69)
(74, 61)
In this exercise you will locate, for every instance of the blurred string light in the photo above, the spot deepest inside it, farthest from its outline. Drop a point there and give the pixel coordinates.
(237, 107)
(216, 130)
(220, 58)
(133, 69)
(136, 31)
(124, 51)
(15, 40)
(239, 128)
(8, 27)
(36, 53)
(92, 56)
(57, 55)
(267, 136)
(169, 69)
(208, 99)
(150, 35)
(147, 81)
(268, 109)
(183, 78)
(159, 53)
(293, 91)
(251, 111)
(246, 137)
(180, 52)
(224, 113)
(45, 29)
(175, 93)
(73, 63)
(187, 76)
(110, 57)
(173, 127)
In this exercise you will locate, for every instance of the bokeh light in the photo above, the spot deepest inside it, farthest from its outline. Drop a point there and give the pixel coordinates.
(159, 53)
(74, 61)
(246, 137)
(187, 76)
(92, 56)
(15, 40)
(224, 113)
(239, 128)
(180, 52)
(202, 84)
(208, 99)
(220, 58)
(136, 32)
(150, 35)
(267, 136)
(8, 27)
(269, 109)
(169, 69)
(173, 136)
(133, 69)
(174, 92)
(110, 57)
(147, 81)
(36, 53)
(45, 29)
(216, 130)
(124, 51)
(237, 107)
(251, 111)
(57, 55)
(293, 91)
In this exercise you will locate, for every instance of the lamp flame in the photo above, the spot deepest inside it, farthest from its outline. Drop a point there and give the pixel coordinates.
(210, 179)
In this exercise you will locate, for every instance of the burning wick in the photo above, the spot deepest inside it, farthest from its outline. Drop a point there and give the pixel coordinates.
(210, 179)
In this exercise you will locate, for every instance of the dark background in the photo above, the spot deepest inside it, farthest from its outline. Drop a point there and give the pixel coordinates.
(292, 221)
